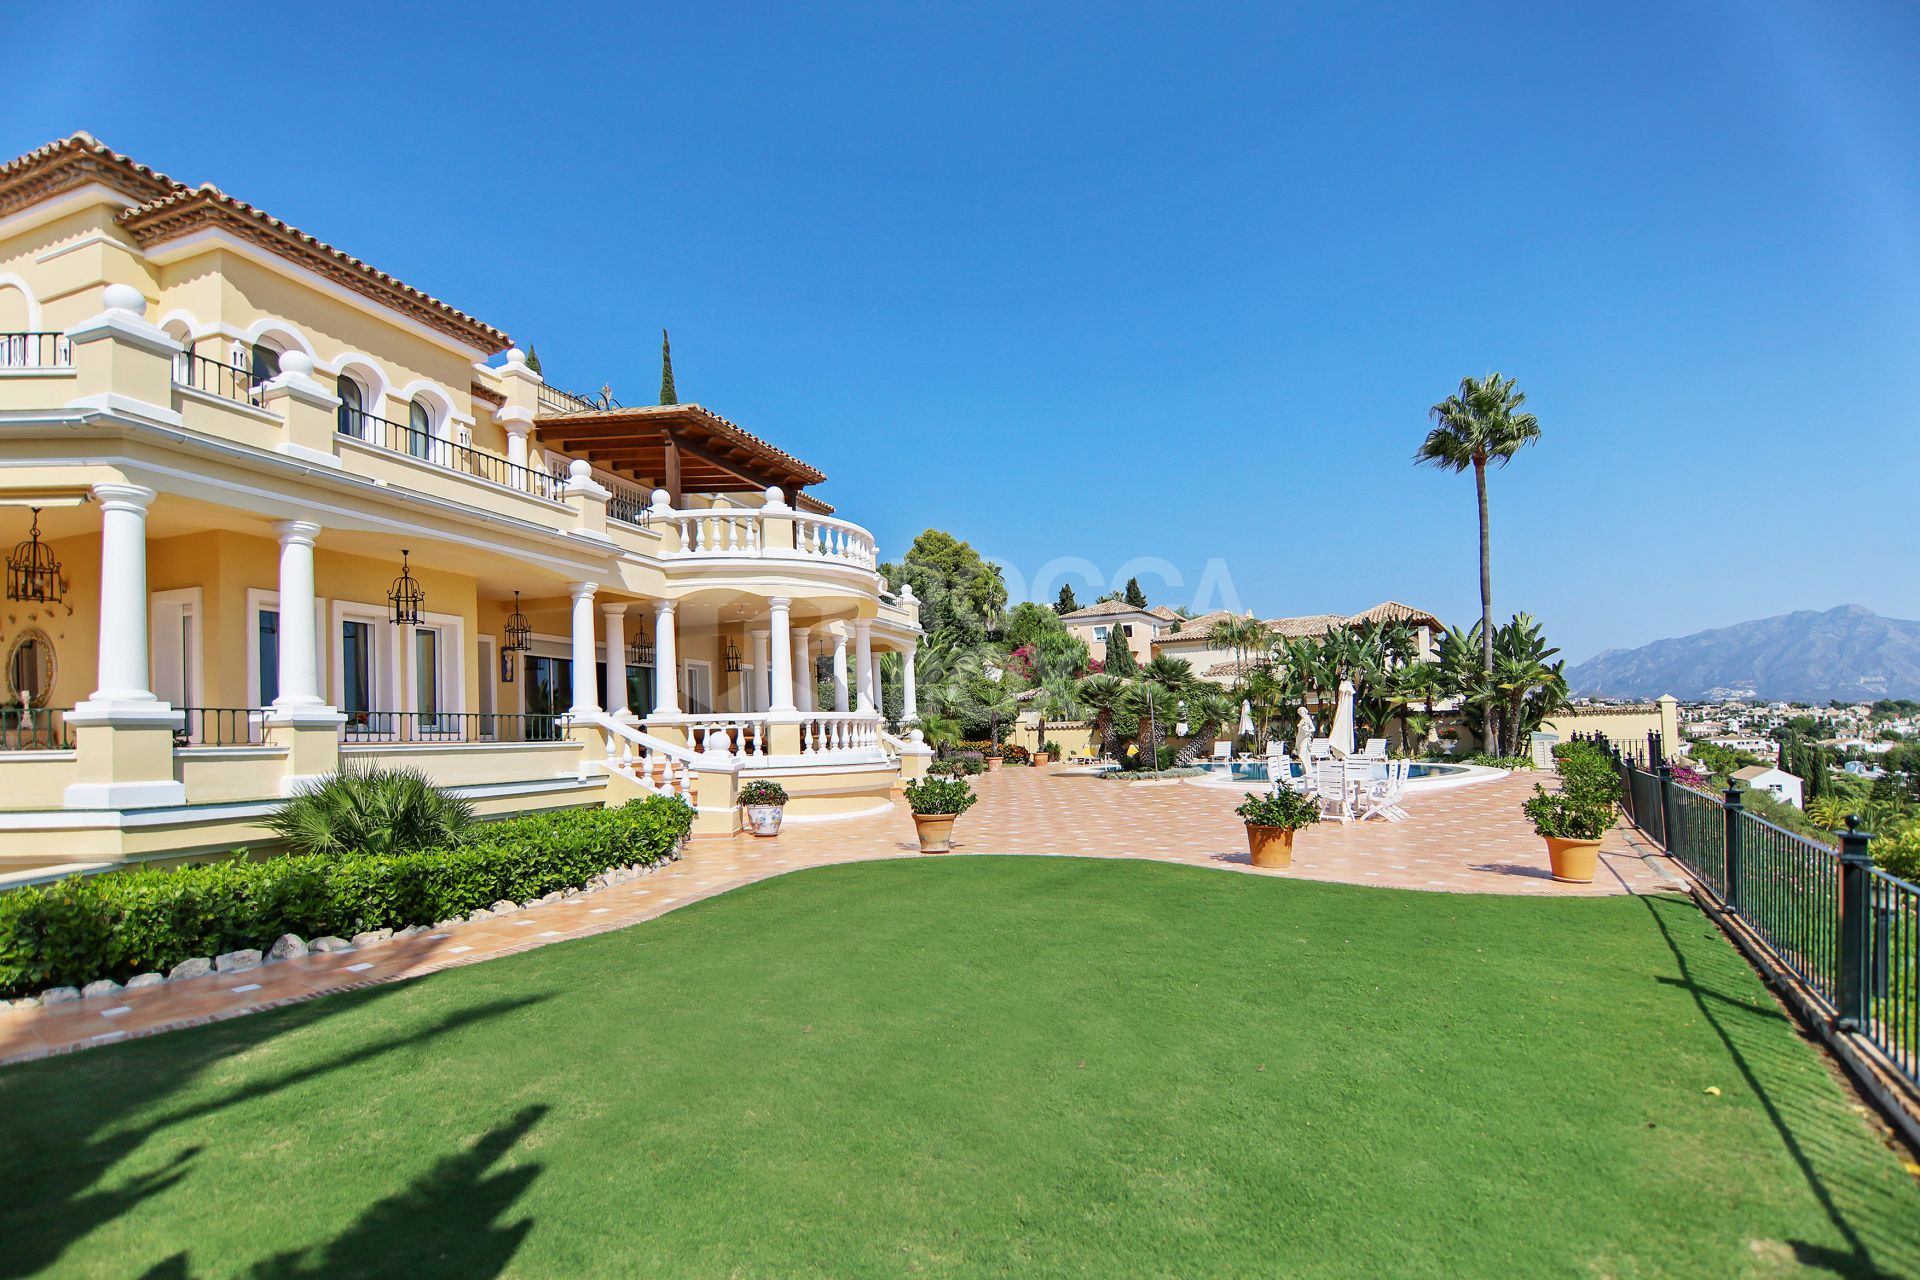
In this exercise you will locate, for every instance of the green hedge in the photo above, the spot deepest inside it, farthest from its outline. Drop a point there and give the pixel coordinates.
(146, 921)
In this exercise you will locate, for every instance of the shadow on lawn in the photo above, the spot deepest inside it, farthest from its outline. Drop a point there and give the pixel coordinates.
(1792, 1098)
(60, 1168)
(449, 1222)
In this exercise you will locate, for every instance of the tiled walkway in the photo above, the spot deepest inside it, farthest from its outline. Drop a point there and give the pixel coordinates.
(1471, 839)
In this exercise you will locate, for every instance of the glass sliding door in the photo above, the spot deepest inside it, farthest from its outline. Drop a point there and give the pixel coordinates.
(356, 674)
(267, 655)
(548, 683)
(426, 679)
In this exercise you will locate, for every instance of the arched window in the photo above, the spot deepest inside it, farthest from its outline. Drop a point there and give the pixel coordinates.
(419, 429)
(353, 407)
(266, 363)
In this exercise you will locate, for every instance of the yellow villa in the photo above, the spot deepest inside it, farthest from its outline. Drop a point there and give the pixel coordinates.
(278, 512)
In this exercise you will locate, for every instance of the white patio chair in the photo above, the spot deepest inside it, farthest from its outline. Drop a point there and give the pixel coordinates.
(1334, 788)
(1380, 796)
(1376, 749)
(1223, 751)
(1319, 749)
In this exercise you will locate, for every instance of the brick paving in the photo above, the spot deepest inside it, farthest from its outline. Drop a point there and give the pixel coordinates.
(1470, 839)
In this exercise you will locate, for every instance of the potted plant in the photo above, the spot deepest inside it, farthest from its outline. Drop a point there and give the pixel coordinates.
(1572, 827)
(1049, 752)
(1271, 821)
(992, 752)
(765, 801)
(936, 802)
(1573, 819)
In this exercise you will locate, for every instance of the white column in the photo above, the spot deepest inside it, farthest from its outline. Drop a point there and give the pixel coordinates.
(910, 700)
(616, 616)
(780, 639)
(299, 667)
(839, 672)
(666, 661)
(585, 701)
(805, 695)
(878, 685)
(124, 658)
(760, 688)
(863, 664)
(517, 427)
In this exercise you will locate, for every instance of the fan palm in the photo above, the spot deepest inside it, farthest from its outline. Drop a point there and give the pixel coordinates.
(371, 810)
(1481, 424)
(1100, 697)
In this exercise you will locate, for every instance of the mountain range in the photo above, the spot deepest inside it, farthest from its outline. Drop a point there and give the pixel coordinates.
(1849, 653)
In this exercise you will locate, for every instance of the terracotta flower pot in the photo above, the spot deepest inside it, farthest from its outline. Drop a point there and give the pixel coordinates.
(1043, 757)
(764, 819)
(1573, 860)
(936, 831)
(993, 764)
(1270, 846)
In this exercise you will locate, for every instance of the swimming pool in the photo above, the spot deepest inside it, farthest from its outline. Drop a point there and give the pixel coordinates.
(1422, 775)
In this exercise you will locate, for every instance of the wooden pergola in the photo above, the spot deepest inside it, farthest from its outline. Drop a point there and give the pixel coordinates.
(681, 448)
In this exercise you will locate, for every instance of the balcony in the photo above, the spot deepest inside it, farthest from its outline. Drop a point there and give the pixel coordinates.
(35, 353)
(764, 533)
(466, 459)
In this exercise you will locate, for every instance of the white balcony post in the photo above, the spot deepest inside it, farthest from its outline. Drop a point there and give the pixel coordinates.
(585, 700)
(616, 615)
(666, 661)
(863, 664)
(839, 672)
(124, 657)
(516, 423)
(299, 666)
(805, 695)
(910, 695)
(760, 688)
(878, 685)
(781, 639)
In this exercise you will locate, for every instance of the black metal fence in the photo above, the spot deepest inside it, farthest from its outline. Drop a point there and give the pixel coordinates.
(215, 378)
(35, 729)
(220, 727)
(464, 458)
(35, 351)
(1847, 931)
(447, 726)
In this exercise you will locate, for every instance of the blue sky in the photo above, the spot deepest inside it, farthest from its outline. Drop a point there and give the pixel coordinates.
(1164, 286)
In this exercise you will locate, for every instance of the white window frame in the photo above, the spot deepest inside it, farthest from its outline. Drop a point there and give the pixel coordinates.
(381, 652)
(189, 599)
(1100, 634)
(451, 628)
(259, 599)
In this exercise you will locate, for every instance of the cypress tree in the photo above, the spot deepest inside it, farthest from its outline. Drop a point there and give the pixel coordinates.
(1119, 660)
(1066, 603)
(1135, 596)
(667, 393)
(533, 359)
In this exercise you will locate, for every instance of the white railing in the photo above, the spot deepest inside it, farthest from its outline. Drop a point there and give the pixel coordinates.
(776, 534)
(842, 734)
(745, 739)
(732, 737)
(654, 764)
(35, 351)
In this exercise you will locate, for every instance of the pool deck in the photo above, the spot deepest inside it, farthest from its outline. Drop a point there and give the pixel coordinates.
(1463, 839)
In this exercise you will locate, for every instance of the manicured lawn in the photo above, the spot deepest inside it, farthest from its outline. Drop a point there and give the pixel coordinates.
(989, 1066)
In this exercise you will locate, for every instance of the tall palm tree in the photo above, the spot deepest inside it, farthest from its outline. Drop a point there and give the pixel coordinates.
(1101, 695)
(1240, 637)
(1481, 424)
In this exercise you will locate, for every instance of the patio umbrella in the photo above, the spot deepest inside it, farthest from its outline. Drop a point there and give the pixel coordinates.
(1246, 718)
(1340, 736)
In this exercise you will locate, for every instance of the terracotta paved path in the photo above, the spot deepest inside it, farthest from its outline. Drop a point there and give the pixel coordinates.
(1470, 839)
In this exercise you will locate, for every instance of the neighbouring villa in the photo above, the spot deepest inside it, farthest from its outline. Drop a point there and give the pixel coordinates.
(277, 512)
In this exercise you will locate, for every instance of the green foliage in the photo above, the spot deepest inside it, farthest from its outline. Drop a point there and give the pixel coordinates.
(1899, 855)
(371, 810)
(1052, 748)
(148, 920)
(668, 395)
(1565, 816)
(1066, 602)
(1134, 595)
(1283, 807)
(961, 764)
(533, 358)
(961, 595)
(934, 794)
(1499, 762)
(1587, 774)
(762, 791)
(1119, 660)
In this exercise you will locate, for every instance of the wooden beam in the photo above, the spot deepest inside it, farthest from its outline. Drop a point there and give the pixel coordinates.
(670, 472)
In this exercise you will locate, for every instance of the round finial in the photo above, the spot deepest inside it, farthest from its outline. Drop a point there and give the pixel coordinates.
(298, 363)
(579, 470)
(124, 297)
(1853, 822)
(776, 496)
(661, 499)
(516, 357)
(906, 591)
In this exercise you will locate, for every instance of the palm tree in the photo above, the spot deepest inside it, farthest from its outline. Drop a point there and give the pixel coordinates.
(1101, 696)
(1531, 686)
(1479, 425)
(1240, 636)
(1208, 712)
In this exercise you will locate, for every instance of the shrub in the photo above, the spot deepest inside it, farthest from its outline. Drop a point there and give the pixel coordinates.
(1588, 775)
(140, 921)
(1052, 748)
(763, 791)
(1899, 855)
(1499, 762)
(1567, 815)
(960, 764)
(1284, 807)
(940, 795)
(371, 810)
(1013, 753)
